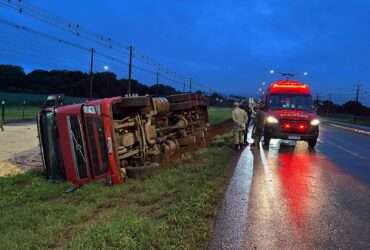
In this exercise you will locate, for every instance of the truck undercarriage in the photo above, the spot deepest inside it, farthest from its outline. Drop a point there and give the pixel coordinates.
(114, 137)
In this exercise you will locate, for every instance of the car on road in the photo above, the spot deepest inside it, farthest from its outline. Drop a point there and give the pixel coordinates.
(290, 113)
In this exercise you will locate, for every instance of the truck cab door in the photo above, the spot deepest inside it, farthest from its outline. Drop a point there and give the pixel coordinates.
(96, 142)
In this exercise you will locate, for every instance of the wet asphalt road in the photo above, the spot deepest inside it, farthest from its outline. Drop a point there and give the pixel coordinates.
(289, 197)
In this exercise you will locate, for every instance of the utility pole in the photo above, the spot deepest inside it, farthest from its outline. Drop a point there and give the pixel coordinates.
(23, 107)
(328, 105)
(184, 88)
(357, 103)
(317, 100)
(129, 71)
(91, 73)
(190, 85)
(357, 93)
(2, 118)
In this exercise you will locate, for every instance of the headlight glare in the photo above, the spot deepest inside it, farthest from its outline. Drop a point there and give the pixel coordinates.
(315, 122)
(271, 119)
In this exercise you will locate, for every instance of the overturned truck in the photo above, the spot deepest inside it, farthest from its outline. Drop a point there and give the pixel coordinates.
(108, 139)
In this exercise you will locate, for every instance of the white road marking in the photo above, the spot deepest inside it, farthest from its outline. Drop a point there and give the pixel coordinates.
(346, 150)
(356, 130)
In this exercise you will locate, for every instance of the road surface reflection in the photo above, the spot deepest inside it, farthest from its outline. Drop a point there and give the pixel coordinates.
(292, 168)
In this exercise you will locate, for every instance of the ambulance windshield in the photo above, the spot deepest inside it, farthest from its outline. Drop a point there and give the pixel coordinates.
(281, 101)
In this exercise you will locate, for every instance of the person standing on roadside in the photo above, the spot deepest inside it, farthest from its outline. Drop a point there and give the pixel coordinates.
(240, 118)
(259, 125)
(246, 108)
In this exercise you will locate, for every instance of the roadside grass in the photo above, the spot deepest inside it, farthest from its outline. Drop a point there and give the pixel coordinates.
(218, 114)
(347, 118)
(20, 112)
(173, 209)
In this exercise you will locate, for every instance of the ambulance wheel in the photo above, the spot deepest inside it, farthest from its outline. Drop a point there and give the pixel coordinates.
(139, 172)
(312, 142)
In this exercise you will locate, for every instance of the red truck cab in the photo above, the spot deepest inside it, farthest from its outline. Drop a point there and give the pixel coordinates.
(290, 113)
(85, 142)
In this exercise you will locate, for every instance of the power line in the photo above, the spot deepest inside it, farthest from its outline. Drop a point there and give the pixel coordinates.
(58, 22)
(45, 35)
(76, 29)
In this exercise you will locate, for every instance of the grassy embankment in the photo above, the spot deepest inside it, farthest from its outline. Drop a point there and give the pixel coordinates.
(348, 118)
(173, 209)
(218, 114)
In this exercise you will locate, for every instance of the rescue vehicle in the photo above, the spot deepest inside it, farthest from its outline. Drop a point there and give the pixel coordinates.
(290, 113)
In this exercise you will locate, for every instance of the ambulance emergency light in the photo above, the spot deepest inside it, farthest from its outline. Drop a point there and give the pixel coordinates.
(289, 87)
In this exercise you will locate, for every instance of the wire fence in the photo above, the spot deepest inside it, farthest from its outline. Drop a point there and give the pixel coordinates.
(16, 107)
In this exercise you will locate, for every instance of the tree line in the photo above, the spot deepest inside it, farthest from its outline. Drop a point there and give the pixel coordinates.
(350, 107)
(73, 83)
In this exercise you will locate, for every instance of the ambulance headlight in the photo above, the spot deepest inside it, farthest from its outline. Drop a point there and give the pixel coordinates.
(271, 120)
(315, 122)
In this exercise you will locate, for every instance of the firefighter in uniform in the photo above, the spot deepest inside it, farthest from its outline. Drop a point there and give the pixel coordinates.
(240, 118)
(259, 124)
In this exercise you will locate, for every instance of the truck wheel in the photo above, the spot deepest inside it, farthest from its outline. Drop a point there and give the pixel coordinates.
(180, 98)
(181, 106)
(312, 143)
(135, 101)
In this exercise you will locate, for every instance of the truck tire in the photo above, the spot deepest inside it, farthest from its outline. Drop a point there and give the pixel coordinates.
(135, 102)
(139, 172)
(181, 106)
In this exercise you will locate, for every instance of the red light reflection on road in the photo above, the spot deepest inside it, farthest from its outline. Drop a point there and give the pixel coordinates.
(295, 172)
(300, 176)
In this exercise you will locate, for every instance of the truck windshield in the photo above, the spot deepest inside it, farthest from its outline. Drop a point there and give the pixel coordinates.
(290, 102)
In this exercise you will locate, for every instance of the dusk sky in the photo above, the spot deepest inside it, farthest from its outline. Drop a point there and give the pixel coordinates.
(229, 46)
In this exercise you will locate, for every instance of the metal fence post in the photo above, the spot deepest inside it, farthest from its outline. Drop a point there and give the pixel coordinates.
(2, 120)
(23, 107)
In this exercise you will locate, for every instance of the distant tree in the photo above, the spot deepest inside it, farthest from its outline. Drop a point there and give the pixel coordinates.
(354, 107)
(12, 77)
(161, 90)
(73, 83)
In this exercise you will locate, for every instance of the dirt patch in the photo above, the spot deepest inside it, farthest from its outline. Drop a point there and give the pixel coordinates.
(29, 159)
(220, 128)
(16, 138)
(7, 168)
(19, 148)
